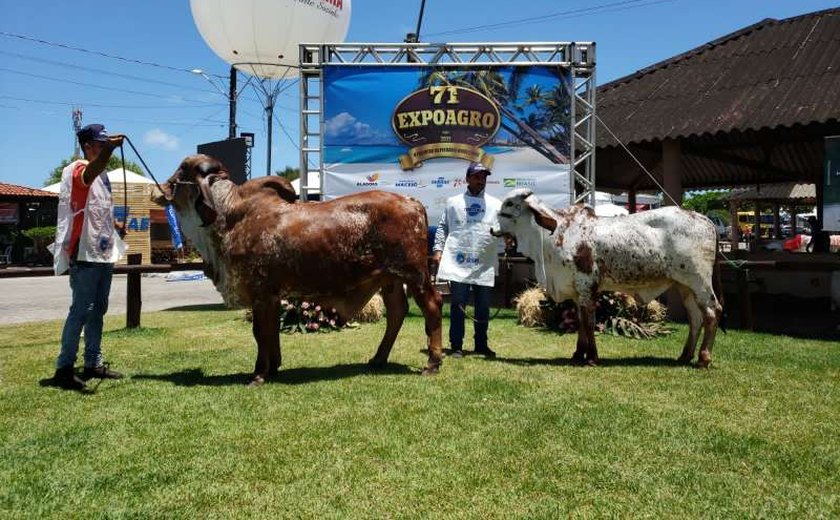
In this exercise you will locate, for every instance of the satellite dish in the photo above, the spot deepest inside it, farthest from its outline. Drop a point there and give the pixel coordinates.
(261, 37)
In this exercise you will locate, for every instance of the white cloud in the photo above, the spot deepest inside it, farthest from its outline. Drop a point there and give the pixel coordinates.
(346, 129)
(157, 138)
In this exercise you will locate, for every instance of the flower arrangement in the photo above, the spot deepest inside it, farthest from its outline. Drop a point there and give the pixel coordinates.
(303, 316)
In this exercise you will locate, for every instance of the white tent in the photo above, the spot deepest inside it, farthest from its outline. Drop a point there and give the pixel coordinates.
(609, 209)
(115, 176)
(314, 182)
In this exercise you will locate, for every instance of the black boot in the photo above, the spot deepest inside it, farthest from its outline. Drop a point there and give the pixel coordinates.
(101, 372)
(65, 378)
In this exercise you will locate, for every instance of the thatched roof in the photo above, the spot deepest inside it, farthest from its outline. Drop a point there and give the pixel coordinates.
(783, 193)
(752, 106)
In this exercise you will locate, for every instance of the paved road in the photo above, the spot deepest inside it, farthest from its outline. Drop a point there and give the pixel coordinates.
(48, 297)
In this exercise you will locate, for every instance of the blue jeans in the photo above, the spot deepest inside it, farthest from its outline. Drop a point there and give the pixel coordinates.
(460, 295)
(90, 283)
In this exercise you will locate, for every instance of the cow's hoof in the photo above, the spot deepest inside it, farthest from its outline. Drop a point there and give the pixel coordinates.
(431, 370)
(592, 362)
(256, 381)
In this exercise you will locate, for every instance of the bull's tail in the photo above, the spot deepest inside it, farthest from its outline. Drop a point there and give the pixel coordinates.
(717, 286)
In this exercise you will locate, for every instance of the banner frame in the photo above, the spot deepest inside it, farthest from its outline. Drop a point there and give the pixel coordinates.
(578, 57)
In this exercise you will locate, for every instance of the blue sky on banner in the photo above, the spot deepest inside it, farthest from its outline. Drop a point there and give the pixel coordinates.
(360, 102)
(128, 64)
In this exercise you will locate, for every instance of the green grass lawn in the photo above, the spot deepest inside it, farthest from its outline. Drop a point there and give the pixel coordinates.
(526, 435)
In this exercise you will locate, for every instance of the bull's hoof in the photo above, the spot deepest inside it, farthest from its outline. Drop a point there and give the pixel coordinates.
(591, 362)
(256, 381)
(703, 363)
(431, 370)
(579, 361)
(685, 360)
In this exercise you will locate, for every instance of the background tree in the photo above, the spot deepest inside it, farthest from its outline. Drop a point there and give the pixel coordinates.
(113, 163)
(289, 173)
(713, 203)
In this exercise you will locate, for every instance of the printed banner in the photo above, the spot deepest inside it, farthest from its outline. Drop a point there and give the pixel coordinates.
(414, 130)
(174, 227)
(831, 191)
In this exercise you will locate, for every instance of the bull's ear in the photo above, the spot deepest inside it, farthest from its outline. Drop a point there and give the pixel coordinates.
(543, 219)
(205, 212)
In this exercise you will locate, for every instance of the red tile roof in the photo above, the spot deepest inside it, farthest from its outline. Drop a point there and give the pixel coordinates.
(13, 190)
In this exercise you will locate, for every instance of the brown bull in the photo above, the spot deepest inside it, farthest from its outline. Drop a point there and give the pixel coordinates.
(259, 246)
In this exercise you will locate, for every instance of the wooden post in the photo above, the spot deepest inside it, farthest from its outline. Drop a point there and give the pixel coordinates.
(744, 299)
(134, 301)
(672, 182)
(735, 226)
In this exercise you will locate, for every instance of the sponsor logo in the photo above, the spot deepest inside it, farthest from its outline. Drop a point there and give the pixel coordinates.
(462, 258)
(440, 182)
(407, 184)
(457, 183)
(475, 209)
(516, 182)
(369, 182)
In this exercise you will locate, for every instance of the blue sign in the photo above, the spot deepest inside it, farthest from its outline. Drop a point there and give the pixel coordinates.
(120, 213)
(174, 228)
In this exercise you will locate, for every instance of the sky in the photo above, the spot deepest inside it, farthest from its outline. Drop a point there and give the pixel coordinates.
(128, 64)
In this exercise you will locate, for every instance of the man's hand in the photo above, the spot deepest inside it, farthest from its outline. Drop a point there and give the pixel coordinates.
(120, 227)
(115, 141)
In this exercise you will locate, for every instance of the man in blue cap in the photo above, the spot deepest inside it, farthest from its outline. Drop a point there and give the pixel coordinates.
(468, 257)
(88, 243)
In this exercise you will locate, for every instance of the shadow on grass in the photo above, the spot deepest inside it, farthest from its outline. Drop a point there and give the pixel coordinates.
(645, 361)
(292, 376)
(201, 307)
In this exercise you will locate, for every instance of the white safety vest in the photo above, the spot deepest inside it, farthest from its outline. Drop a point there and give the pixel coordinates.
(99, 241)
(471, 253)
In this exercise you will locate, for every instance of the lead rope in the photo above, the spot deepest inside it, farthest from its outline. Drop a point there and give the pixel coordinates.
(125, 192)
(152, 175)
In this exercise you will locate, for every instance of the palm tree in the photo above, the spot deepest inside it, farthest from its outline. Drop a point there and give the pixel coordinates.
(505, 94)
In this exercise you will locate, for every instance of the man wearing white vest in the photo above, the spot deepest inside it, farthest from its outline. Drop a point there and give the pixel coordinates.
(468, 257)
(88, 243)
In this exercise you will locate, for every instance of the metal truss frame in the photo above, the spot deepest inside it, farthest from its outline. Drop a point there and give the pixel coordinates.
(578, 57)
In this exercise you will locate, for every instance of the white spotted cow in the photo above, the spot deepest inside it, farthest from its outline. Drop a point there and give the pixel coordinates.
(578, 254)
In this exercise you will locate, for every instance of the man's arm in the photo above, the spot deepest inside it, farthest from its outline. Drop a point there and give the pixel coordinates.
(97, 166)
(440, 238)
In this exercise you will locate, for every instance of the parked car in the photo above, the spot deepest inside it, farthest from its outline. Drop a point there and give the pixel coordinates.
(720, 226)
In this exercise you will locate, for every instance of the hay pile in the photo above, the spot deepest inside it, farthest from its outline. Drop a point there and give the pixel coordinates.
(372, 311)
(529, 309)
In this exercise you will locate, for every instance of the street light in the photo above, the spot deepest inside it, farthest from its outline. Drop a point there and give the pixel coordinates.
(231, 97)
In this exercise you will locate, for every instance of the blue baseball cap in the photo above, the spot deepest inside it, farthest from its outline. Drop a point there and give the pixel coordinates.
(477, 167)
(94, 132)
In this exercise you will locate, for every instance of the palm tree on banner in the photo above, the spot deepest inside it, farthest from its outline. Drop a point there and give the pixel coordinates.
(537, 112)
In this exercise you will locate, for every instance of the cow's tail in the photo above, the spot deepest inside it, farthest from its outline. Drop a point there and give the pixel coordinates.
(717, 285)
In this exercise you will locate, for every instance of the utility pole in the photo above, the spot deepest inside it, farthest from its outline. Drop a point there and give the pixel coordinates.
(77, 125)
(232, 102)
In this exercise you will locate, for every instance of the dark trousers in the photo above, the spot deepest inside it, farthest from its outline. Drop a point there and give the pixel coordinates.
(460, 295)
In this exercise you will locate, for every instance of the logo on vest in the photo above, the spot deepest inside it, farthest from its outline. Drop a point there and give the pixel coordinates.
(475, 209)
(462, 258)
